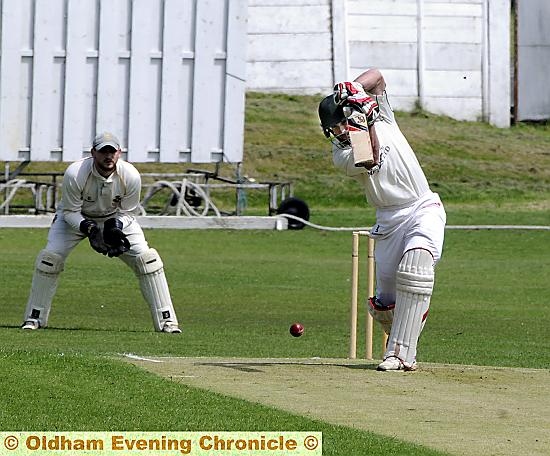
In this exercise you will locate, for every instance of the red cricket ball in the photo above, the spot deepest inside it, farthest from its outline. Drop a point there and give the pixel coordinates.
(297, 329)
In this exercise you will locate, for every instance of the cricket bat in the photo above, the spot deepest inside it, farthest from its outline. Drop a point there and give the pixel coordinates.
(359, 136)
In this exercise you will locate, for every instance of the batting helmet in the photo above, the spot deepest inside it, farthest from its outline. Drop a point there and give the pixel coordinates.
(330, 114)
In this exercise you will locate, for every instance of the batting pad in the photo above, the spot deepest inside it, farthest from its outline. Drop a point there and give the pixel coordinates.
(48, 266)
(414, 286)
(154, 288)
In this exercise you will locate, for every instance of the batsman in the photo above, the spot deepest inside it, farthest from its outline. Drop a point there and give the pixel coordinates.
(100, 195)
(410, 218)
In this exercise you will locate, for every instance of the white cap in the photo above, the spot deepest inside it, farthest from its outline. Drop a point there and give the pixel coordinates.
(106, 139)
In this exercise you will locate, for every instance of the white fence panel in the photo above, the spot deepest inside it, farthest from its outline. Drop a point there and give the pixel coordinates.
(208, 80)
(290, 45)
(235, 82)
(112, 68)
(283, 47)
(71, 68)
(437, 46)
(296, 19)
(533, 49)
(497, 61)
(15, 48)
(46, 84)
(177, 71)
(387, 28)
(78, 77)
(145, 80)
(291, 77)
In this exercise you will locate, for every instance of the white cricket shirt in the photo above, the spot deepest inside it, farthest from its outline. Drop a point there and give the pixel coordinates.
(87, 194)
(398, 181)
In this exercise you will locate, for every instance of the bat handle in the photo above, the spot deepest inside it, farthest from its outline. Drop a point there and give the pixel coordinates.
(364, 164)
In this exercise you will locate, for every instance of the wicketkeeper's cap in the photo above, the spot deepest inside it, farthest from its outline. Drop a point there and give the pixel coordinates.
(106, 139)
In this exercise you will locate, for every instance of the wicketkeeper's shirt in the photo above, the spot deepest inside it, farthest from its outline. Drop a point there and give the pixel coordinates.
(398, 180)
(87, 194)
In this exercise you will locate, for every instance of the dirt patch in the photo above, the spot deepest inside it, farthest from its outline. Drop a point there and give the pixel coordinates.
(463, 410)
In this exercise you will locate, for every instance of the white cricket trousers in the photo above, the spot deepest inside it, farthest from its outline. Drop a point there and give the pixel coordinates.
(421, 226)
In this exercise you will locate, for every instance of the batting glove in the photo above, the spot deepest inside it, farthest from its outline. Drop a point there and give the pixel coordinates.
(115, 238)
(372, 110)
(92, 231)
(369, 108)
(350, 92)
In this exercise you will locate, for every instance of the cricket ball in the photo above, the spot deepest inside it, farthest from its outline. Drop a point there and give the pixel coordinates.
(297, 329)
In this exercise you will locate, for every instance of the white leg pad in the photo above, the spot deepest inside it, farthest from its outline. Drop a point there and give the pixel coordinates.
(48, 266)
(381, 313)
(414, 286)
(154, 287)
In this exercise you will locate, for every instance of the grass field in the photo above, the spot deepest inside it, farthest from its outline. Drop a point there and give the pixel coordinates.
(242, 303)
(237, 292)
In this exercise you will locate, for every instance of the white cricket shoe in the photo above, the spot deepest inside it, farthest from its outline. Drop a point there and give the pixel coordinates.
(171, 328)
(30, 324)
(393, 363)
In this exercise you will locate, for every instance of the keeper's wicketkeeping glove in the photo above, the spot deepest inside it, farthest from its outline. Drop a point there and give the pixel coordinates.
(92, 231)
(115, 238)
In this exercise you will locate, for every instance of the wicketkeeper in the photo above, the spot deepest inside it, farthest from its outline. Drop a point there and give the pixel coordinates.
(410, 218)
(100, 194)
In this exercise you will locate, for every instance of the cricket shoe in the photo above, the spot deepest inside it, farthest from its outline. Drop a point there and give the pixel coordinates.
(393, 363)
(171, 328)
(30, 324)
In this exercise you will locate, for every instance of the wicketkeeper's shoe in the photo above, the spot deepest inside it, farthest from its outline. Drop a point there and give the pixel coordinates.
(393, 363)
(171, 328)
(30, 324)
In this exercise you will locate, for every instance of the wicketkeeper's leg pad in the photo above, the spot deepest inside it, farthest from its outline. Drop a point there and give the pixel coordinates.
(381, 313)
(48, 266)
(149, 269)
(414, 286)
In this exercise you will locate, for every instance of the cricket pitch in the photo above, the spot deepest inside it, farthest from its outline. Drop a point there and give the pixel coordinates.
(463, 410)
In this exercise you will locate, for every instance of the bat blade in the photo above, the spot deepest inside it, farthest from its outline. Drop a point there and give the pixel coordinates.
(361, 145)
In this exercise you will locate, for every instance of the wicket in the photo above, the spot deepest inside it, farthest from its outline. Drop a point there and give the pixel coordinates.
(355, 293)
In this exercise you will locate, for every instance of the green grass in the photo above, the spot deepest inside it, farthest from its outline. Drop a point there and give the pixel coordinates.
(237, 292)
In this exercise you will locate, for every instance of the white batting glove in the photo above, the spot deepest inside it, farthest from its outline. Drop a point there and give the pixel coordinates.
(371, 109)
(350, 92)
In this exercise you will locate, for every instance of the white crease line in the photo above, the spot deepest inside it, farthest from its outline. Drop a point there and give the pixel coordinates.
(140, 358)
